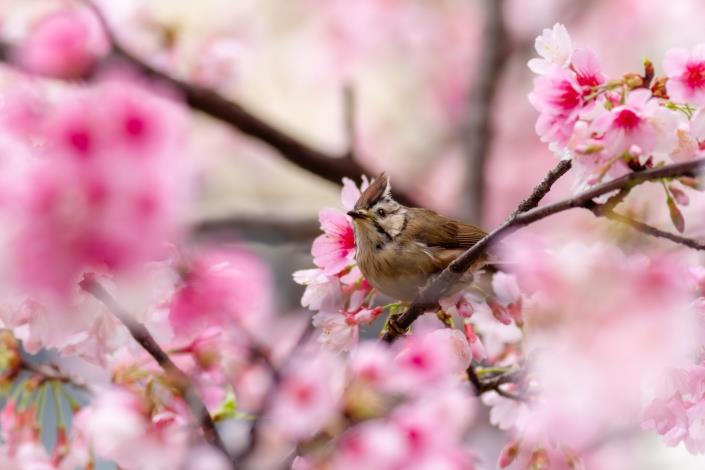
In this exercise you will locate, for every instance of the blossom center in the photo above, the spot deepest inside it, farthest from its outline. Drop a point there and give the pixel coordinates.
(627, 120)
(569, 97)
(695, 75)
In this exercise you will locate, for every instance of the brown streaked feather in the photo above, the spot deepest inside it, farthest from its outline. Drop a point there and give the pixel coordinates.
(373, 193)
(436, 230)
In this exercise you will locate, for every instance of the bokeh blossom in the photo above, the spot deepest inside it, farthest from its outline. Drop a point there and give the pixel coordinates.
(64, 44)
(94, 195)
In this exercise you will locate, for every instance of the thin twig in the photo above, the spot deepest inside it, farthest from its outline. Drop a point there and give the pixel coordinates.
(653, 231)
(543, 187)
(436, 287)
(493, 384)
(178, 377)
(52, 372)
(478, 133)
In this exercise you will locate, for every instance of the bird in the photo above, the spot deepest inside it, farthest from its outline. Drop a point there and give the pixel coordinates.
(399, 248)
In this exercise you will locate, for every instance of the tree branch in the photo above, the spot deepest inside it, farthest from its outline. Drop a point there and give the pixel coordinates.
(328, 166)
(262, 228)
(437, 286)
(478, 134)
(178, 377)
(543, 187)
(493, 384)
(652, 231)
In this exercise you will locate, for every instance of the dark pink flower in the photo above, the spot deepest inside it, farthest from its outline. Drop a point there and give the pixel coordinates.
(627, 125)
(107, 189)
(335, 249)
(559, 99)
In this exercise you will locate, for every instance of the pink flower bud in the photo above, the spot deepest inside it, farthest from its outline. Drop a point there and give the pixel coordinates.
(64, 45)
(508, 454)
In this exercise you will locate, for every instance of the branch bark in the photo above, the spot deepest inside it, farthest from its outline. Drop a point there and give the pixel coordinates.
(478, 135)
(178, 377)
(436, 287)
(331, 167)
(653, 231)
(260, 228)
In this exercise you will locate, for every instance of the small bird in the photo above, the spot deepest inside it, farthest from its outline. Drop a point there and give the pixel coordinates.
(399, 248)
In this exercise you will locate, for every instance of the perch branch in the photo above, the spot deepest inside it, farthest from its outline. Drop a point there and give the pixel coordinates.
(436, 287)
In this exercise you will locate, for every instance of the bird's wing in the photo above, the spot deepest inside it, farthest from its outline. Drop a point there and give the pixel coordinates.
(435, 230)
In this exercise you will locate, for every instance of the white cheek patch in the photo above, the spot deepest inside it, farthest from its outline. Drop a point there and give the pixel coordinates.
(394, 224)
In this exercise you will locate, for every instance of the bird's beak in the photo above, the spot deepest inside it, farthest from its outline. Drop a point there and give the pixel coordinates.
(357, 214)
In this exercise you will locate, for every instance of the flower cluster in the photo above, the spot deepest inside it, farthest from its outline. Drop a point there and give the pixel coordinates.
(679, 414)
(90, 192)
(426, 371)
(610, 127)
(587, 364)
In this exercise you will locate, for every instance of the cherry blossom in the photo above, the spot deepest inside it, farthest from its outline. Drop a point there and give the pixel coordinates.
(555, 48)
(686, 75)
(308, 396)
(227, 288)
(77, 203)
(121, 428)
(64, 44)
(335, 249)
(626, 125)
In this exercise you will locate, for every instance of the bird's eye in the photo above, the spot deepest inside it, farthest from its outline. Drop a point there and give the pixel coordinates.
(381, 212)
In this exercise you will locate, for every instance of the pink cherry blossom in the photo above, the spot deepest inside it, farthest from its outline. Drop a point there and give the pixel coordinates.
(351, 193)
(221, 287)
(308, 396)
(558, 98)
(335, 249)
(323, 292)
(100, 174)
(686, 75)
(555, 48)
(338, 331)
(627, 125)
(588, 70)
(120, 427)
(371, 363)
(64, 44)
(429, 358)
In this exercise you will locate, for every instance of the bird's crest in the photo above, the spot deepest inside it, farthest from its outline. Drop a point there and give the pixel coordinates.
(379, 189)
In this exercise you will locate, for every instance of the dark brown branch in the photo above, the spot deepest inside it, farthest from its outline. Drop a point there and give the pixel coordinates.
(263, 228)
(543, 187)
(478, 134)
(436, 287)
(493, 384)
(653, 231)
(178, 377)
(330, 167)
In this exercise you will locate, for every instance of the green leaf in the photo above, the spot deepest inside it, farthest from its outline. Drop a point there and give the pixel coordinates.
(676, 215)
(227, 409)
